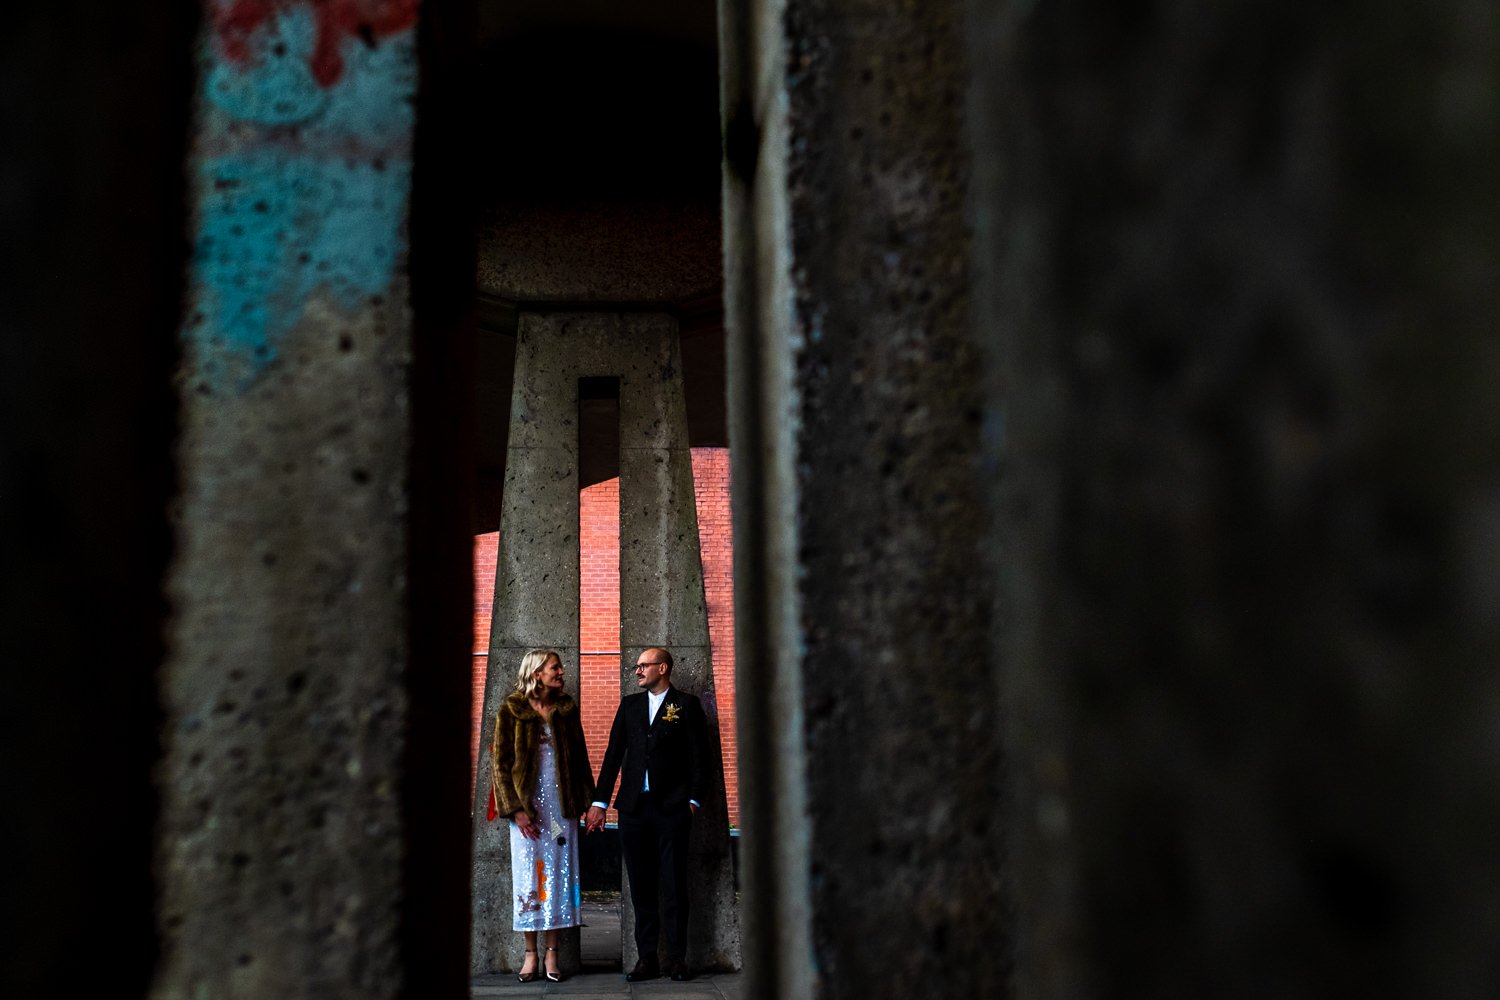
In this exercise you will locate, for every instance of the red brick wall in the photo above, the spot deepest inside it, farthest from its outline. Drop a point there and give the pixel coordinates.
(599, 615)
(711, 486)
(599, 576)
(485, 551)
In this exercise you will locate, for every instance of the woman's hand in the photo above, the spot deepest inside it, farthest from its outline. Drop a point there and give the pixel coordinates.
(525, 825)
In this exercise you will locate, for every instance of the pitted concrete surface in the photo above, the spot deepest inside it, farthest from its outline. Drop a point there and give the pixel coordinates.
(280, 839)
(607, 252)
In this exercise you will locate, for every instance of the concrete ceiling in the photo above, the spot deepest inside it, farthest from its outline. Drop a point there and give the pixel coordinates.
(596, 136)
(693, 22)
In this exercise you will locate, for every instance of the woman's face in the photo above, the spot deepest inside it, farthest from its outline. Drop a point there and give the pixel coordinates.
(551, 674)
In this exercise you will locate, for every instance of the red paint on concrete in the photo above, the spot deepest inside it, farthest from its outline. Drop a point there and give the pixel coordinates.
(337, 20)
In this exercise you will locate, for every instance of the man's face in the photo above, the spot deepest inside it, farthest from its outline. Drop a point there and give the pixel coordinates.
(650, 671)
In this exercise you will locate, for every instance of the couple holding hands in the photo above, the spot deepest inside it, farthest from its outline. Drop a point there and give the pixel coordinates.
(541, 781)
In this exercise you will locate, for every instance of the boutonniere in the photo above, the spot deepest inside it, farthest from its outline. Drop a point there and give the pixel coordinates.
(669, 713)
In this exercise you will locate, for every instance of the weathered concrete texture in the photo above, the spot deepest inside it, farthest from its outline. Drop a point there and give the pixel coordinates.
(537, 596)
(604, 252)
(280, 854)
(776, 846)
(536, 605)
(662, 604)
(903, 757)
(1240, 262)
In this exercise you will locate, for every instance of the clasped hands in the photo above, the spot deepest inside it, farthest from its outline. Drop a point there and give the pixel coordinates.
(593, 820)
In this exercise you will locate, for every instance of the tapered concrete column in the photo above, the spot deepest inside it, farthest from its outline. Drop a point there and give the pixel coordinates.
(536, 604)
(662, 603)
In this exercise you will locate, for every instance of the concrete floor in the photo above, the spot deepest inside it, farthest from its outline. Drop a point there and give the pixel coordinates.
(602, 975)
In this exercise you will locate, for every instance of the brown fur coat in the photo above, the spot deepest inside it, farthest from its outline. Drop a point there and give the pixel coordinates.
(513, 757)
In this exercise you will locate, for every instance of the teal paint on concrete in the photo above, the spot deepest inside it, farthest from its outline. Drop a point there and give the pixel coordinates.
(301, 186)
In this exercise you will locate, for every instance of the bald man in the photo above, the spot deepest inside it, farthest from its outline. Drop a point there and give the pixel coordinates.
(658, 748)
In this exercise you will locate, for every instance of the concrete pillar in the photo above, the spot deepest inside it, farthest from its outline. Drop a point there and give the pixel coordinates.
(1240, 267)
(775, 897)
(286, 832)
(536, 604)
(871, 762)
(661, 597)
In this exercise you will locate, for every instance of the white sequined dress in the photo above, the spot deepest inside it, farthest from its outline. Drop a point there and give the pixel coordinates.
(544, 872)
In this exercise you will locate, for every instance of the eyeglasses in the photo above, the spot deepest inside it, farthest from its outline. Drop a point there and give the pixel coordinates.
(643, 666)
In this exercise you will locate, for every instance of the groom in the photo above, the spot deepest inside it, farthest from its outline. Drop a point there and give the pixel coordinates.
(660, 737)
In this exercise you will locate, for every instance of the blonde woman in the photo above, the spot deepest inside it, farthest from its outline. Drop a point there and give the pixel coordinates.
(539, 767)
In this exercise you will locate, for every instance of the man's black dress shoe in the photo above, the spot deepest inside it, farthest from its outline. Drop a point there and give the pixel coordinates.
(644, 969)
(680, 972)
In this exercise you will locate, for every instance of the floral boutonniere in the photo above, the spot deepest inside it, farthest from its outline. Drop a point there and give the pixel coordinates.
(669, 713)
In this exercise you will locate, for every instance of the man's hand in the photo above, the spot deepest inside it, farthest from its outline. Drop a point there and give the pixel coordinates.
(594, 820)
(525, 825)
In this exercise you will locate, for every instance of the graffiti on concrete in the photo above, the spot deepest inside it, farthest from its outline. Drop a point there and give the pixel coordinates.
(303, 168)
(235, 27)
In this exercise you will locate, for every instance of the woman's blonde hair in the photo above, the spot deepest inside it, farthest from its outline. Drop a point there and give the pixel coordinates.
(527, 683)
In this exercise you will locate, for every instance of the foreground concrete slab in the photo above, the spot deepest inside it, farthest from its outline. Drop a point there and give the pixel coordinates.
(282, 836)
(871, 780)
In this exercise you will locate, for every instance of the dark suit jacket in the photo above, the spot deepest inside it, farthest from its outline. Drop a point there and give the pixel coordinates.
(674, 748)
